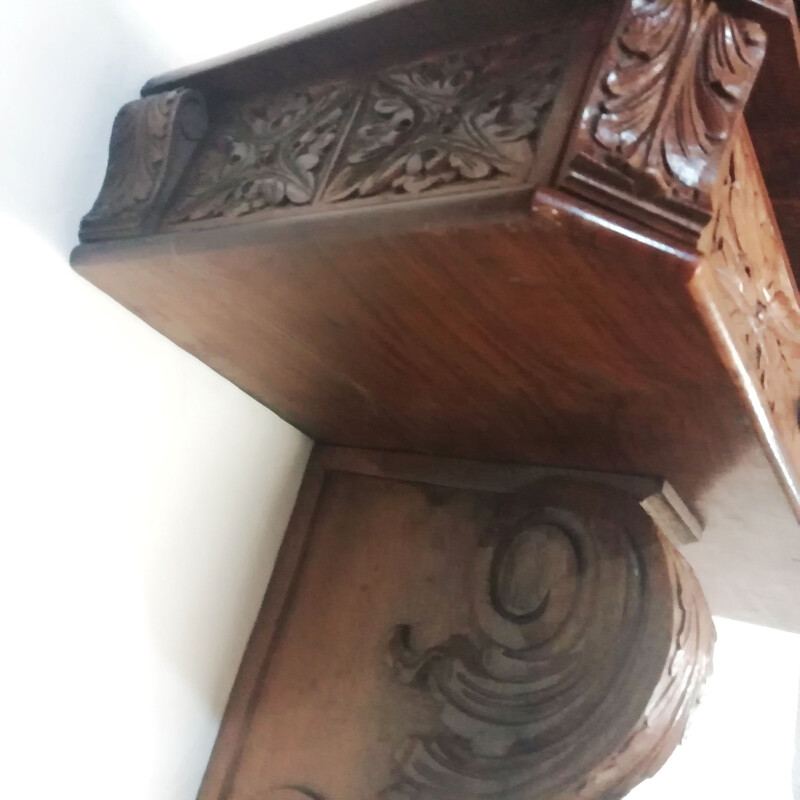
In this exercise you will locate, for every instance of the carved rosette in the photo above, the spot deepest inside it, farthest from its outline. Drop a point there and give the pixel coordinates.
(467, 116)
(592, 641)
(668, 93)
(152, 141)
(267, 152)
(747, 286)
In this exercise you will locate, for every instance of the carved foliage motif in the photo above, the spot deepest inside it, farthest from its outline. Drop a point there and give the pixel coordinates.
(592, 643)
(762, 312)
(265, 153)
(673, 83)
(151, 143)
(466, 116)
(462, 117)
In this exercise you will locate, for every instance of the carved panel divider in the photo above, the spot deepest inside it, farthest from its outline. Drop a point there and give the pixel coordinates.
(496, 638)
(571, 593)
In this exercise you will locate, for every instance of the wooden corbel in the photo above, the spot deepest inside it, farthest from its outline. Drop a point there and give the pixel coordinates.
(505, 233)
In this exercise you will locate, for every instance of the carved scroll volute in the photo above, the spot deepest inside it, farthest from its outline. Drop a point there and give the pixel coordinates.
(152, 141)
(654, 131)
(592, 642)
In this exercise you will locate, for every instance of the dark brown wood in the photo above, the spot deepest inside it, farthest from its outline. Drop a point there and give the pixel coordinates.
(663, 100)
(747, 291)
(502, 340)
(152, 142)
(359, 253)
(394, 672)
(536, 233)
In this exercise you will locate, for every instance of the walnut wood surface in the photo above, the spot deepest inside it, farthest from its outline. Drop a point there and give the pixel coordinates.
(356, 248)
(380, 34)
(447, 660)
(532, 233)
(502, 340)
(746, 289)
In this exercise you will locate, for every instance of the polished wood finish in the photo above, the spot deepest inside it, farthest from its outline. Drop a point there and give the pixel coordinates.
(543, 234)
(383, 291)
(397, 654)
(505, 340)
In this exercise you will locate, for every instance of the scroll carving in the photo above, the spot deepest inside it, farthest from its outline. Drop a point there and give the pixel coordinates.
(670, 89)
(591, 644)
(467, 116)
(265, 153)
(747, 278)
(152, 141)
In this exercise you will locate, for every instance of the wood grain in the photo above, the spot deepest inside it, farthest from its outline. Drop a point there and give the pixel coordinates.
(551, 340)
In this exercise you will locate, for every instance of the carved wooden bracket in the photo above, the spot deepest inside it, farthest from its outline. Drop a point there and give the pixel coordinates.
(515, 633)
(152, 141)
(592, 642)
(666, 96)
(507, 231)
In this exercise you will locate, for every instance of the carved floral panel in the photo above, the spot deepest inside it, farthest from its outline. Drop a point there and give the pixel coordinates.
(267, 152)
(463, 117)
(476, 645)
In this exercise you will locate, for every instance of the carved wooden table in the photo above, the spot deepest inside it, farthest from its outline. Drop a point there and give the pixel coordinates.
(526, 233)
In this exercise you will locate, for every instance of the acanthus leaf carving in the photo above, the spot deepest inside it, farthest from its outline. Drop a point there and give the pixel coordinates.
(152, 141)
(591, 645)
(670, 89)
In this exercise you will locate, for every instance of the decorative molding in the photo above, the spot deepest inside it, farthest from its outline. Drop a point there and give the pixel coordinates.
(267, 152)
(673, 82)
(152, 141)
(463, 117)
(748, 280)
(592, 642)
(468, 117)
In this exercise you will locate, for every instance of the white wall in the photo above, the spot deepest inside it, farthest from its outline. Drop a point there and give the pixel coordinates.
(143, 497)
